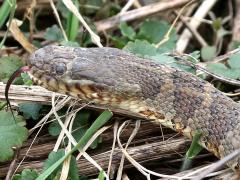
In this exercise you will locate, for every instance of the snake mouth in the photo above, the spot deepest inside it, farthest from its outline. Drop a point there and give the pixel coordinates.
(81, 89)
(85, 92)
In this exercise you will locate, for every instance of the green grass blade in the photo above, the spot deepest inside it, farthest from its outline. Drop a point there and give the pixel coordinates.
(72, 24)
(4, 12)
(13, 8)
(98, 123)
(192, 152)
(195, 148)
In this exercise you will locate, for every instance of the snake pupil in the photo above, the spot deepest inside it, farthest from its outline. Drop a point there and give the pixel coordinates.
(60, 69)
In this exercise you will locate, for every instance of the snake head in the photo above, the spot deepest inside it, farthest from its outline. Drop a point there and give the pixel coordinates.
(88, 73)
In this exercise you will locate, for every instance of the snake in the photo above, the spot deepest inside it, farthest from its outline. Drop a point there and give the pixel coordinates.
(112, 77)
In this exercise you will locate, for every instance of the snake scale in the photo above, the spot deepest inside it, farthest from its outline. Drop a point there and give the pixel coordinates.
(112, 77)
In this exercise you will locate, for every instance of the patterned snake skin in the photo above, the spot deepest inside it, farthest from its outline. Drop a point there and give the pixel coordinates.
(115, 78)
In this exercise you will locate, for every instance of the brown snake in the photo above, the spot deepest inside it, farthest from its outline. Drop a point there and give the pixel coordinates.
(112, 77)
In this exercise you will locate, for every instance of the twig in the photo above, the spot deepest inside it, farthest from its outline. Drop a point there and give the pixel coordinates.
(18, 35)
(200, 14)
(127, 6)
(146, 172)
(167, 35)
(58, 19)
(12, 166)
(21, 93)
(134, 132)
(116, 124)
(73, 141)
(30, 16)
(42, 123)
(199, 67)
(218, 164)
(225, 56)
(194, 32)
(138, 13)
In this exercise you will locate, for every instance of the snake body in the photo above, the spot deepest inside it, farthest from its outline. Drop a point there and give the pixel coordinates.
(112, 77)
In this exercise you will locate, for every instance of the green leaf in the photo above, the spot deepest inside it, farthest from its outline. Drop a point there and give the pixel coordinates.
(234, 61)
(221, 69)
(27, 174)
(196, 56)
(69, 43)
(217, 24)
(154, 31)
(26, 79)
(170, 61)
(30, 110)
(208, 53)
(147, 50)
(2, 105)
(52, 158)
(53, 34)
(55, 156)
(8, 66)
(127, 30)
(12, 134)
(163, 59)
(101, 175)
(142, 48)
(119, 42)
(54, 128)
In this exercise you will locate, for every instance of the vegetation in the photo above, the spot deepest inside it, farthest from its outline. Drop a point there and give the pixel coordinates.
(200, 37)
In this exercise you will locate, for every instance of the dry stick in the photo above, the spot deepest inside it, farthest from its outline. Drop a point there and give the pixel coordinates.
(92, 139)
(146, 172)
(194, 32)
(134, 132)
(73, 141)
(236, 25)
(200, 14)
(127, 6)
(116, 124)
(188, 174)
(199, 67)
(188, 12)
(127, 155)
(18, 35)
(21, 93)
(58, 19)
(66, 162)
(12, 166)
(218, 164)
(30, 16)
(138, 13)
(167, 35)
(225, 56)
(69, 118)
(42, 122)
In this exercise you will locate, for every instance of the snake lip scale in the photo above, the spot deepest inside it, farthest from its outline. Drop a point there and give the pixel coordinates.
(174, 98)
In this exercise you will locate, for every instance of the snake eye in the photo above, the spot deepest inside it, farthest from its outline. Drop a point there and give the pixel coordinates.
(60, 69)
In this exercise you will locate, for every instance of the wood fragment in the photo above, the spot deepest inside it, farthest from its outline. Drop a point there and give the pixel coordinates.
(138, 13)
(170, 148)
